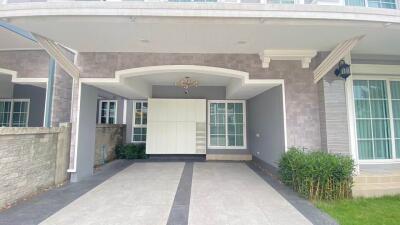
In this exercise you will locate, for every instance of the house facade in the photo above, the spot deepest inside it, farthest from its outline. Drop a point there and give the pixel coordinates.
(226, 80)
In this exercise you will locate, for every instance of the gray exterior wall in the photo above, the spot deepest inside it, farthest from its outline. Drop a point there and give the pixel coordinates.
(6, 87)
(266, 118)
(37, 96)
(28, 63)
(32, 159)
(302, 102)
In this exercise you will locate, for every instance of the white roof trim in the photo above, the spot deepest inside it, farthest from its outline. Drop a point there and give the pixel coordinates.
(54, 50)
(338, 53)
(304, 56)
(375, 69)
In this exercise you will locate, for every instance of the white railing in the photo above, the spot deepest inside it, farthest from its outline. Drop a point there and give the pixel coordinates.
(388, 4)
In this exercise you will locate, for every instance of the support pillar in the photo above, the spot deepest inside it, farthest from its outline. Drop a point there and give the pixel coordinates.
(84, 133)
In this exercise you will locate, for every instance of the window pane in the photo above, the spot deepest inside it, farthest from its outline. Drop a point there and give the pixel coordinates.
(103, 120)
(231, 118)
(239, 129)
(221, 140)
(138, 106)
(104, 105)
(382, 149)
(238, 108)
(17, 107)
(221, 128)
(213, 119)
(231, 129)
(239, 118)
(395, 89)
(231, 140)
(365, 150)
(381, 128)
(144, 121)
(111, 120)
(213, 108)
(398, 148)
(15, 118)
(355, 2)
(396, 124)
(231, 107)
(396, 108)
(137, 130)
(364, 129)
(221, 108)
(361, 89)
(377, 89)
(220, 118)
(5, 112)
(362, 109)
(379, 109)
(213, 129)
(239, 140)
(137, 137)
(138, 118)
(213, 140)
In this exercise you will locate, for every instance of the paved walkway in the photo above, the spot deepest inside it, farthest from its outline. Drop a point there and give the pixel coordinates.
(179, 193)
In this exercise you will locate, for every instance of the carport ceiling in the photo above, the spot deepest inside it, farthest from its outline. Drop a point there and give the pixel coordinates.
(191, 35)
(12, 41)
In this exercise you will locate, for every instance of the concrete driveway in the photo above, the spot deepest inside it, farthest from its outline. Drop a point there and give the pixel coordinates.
(195, 193)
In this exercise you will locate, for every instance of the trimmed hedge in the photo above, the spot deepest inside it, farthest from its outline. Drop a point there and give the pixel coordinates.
(317, 175)
(131, 151)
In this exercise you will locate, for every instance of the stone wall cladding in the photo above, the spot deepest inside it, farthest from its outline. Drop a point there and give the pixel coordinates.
(333, 112)
(62, 96)
(28, 63)
(301, 94)
(108, 137)
(337, 133)
(31, 159)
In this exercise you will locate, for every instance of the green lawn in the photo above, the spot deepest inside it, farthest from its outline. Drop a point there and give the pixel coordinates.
(364, 211)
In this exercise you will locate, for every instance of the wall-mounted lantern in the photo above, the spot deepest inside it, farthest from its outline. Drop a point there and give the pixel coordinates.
(343, 70)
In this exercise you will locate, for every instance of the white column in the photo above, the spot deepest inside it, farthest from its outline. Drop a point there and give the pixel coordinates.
(85, 133)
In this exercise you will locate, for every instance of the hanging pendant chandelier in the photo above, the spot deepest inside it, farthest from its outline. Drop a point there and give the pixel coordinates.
(187, 83)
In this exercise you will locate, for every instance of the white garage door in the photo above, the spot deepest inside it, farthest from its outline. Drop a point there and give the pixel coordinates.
(176, 126)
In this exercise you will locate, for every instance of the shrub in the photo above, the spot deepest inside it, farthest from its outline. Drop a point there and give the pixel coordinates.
(131, 151)
(317, 175)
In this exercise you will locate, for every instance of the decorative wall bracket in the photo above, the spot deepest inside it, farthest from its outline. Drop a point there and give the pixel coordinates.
(304, 56)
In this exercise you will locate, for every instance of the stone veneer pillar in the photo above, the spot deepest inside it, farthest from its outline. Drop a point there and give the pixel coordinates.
(333, 115)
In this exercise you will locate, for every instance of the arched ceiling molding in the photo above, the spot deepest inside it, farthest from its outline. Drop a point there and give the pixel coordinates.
(128, 88)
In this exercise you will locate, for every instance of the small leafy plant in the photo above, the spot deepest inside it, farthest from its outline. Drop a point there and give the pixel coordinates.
(131, 151)
(317, 175)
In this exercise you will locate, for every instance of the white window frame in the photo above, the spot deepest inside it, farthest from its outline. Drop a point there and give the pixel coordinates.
(10, 122)
(353, 121)
(108, 111)
(209, 146)
(134, 119)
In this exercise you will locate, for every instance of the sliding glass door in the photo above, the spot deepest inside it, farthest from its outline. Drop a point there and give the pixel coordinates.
(377, 112)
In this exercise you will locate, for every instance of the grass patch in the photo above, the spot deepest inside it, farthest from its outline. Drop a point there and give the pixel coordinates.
(364, 211)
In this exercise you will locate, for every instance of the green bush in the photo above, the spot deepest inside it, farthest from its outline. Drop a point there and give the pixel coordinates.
(317, 175)
(131, 151)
